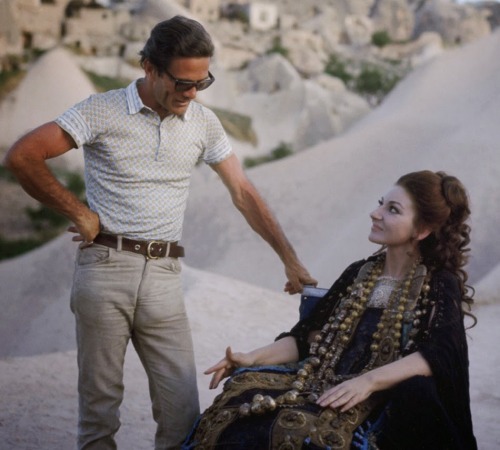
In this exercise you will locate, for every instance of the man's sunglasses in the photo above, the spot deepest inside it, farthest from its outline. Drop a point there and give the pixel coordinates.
(184, 85)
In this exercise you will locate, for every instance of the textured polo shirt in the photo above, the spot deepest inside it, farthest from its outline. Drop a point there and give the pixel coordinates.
(138, 167)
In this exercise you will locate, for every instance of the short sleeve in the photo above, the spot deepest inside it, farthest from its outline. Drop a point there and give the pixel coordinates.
(73, 122)
(217, 147)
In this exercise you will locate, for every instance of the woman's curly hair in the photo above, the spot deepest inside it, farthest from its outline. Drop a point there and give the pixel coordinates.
(442, 204)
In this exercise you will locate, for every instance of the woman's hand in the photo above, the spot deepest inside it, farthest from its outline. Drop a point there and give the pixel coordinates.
(226, 366)
(351, 392)
(347, 394)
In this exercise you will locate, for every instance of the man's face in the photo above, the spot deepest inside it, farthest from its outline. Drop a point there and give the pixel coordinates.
(165, 99)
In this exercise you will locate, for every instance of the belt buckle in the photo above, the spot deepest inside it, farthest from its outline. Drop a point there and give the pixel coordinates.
(149, 248)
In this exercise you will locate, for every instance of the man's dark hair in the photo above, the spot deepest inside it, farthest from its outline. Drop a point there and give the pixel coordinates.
(178, 37)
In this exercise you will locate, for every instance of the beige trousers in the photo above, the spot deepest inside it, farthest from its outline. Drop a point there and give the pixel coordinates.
(118, 297)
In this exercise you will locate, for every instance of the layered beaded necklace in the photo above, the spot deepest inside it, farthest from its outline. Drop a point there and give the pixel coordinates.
(399, 307)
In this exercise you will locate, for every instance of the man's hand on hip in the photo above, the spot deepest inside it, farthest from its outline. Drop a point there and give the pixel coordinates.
(87, 228)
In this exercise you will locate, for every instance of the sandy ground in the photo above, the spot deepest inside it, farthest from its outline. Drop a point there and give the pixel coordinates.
(38, 401)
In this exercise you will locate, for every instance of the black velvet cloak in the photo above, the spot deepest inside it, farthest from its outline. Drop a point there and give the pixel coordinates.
(442, 342)
(424, 413)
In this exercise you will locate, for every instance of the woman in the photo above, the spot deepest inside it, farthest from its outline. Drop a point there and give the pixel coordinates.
(382, 359)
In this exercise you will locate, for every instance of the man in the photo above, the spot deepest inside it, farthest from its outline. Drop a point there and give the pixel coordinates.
(141, 144)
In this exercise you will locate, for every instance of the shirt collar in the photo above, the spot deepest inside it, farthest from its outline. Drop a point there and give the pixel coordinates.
(135, 104)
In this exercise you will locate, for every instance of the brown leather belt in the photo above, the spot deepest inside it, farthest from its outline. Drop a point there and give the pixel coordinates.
(150, 249)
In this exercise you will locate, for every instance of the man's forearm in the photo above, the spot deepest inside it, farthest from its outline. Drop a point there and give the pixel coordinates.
(258, 215)
(26, 159)
(38, 181)
(262, 221)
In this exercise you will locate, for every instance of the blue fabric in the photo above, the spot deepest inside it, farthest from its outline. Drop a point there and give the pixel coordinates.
(308, 300)
(362, 435)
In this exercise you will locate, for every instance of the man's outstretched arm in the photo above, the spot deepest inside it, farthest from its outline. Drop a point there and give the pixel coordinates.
(260, 218)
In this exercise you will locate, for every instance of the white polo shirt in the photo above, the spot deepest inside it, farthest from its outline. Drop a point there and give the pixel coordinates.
(137, 167)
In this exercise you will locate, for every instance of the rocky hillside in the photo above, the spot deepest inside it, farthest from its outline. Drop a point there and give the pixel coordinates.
(281, 91)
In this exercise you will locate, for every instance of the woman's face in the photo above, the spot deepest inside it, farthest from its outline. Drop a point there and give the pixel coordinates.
(393, 222)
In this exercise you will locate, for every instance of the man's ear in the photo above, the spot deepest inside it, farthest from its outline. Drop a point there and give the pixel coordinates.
(149, 69)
